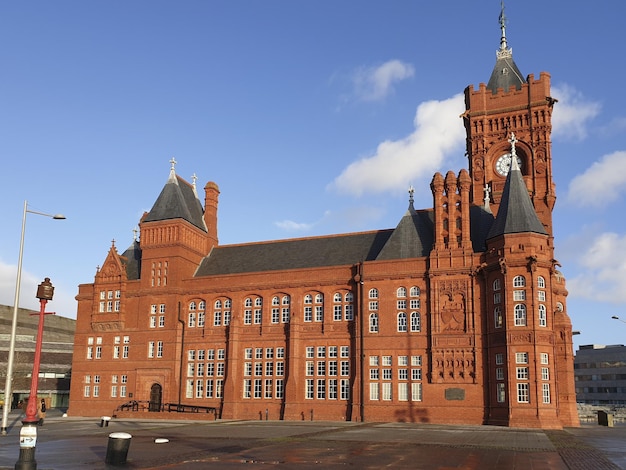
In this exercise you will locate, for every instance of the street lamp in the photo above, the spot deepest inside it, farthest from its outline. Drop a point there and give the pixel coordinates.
(9, 377)
(615, 317)
(28, 433)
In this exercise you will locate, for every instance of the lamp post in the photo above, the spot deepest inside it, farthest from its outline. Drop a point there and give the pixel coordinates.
(9, 377)
(615, 317)
(28, 433)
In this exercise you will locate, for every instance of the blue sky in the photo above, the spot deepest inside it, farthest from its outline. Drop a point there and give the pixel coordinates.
(312, 117)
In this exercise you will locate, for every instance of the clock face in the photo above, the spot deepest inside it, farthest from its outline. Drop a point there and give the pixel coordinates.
(503, 164)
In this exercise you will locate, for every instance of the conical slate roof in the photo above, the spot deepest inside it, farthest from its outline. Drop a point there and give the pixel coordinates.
(412, 238)
(516, 213)
(505, 74)
(178, 200)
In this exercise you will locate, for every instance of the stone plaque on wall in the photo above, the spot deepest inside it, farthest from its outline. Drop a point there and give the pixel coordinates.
(455, 394)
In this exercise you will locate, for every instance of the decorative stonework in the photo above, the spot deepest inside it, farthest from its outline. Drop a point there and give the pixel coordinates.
(453, 366)
(107, 326)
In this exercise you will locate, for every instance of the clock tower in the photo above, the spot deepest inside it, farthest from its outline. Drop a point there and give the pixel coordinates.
(511, 103)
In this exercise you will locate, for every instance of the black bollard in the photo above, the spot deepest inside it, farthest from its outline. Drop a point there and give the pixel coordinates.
(117, 448)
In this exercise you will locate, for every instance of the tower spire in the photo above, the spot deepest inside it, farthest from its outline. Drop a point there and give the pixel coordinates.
(504, 51)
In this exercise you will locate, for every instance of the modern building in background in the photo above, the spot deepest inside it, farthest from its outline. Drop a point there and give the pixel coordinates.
(56, 356)
(456, 315)
(601, 374)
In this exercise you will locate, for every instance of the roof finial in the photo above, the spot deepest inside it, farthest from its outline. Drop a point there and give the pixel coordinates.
(411, 192)
(194, 178)
(504, 50)
(487, 191)
(135, 234)
(172, 177)
(514, 163)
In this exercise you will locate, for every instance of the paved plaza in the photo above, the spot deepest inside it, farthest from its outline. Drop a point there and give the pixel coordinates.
(80, 443)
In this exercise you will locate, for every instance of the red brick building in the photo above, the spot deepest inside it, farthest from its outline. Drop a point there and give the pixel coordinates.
(457, 315)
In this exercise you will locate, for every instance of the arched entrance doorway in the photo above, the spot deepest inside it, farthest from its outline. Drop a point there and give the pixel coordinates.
(156, 392)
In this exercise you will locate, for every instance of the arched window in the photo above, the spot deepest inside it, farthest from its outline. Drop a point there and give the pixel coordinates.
(401, 292)
(402, 322)
(319, 307)
(373, 293)
(247, 312)
(543, 315)
(415, 291)
(498, 318)
(286, 309)
(519, 281)
(348, 307)
(373, 323)
(416, 322)
(308, 310)
(497, 284)
(541, 282)
(201, 313)
(520, 315)
(217, 313)
(191, 319)
(275, 317)
(258, 311)
(227, 304)
(337, 307)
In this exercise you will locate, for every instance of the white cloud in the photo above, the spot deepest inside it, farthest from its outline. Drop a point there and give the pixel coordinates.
(291, 226)
(376, 83)
(438, 132)
(603, 273)
(572, 113)
(590, 187)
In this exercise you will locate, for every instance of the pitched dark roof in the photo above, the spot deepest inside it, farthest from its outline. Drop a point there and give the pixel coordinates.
(132, 260)
(516, 213)
(481, 220)
(178, 200)
(505, 74)
(412, 238)
(335, 250)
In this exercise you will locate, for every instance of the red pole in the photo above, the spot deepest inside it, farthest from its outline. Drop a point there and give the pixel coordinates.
(31, 408)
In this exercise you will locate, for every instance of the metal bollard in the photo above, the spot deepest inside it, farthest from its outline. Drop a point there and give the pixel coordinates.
(117, 448)
(104, 421)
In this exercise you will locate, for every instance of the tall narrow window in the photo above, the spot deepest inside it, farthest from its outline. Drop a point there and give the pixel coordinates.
(543, 315)
(520, 315)
(373, 323)
(416, 322)
(402, 327)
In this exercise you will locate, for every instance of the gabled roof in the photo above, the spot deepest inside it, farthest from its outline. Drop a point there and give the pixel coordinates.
(505, 74)
(516, 213)
(412, 238)
(300, 253)
(178, 200)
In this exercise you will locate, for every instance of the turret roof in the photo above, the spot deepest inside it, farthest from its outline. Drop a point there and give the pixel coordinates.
(505, 73)
(178, 200)
(516, 213)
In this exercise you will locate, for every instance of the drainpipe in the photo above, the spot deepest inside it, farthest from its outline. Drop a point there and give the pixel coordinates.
(361, 355)
(182, 355)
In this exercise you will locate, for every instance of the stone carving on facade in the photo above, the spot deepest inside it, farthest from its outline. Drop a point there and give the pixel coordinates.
(454, 366)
